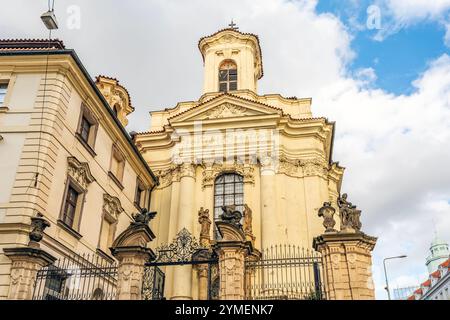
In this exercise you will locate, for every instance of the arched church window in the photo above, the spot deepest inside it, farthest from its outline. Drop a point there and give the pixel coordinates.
(227, 76)
(228, 190)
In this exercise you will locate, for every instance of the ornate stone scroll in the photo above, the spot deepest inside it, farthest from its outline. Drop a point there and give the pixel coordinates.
(112, 207)
(80, 172)
(205, 223)
(225, 110)
(211, 171)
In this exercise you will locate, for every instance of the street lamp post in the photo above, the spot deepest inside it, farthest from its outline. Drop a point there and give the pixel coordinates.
(385, 273)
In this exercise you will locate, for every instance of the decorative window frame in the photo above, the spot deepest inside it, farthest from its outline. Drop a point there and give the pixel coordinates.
(212, 171)
(111, 211)
(79, 177)
(86, 113)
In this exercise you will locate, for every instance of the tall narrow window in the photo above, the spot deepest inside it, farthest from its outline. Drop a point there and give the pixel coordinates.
(227, 76)
(70, 206)
(140, 195)
(228, 190)
(117, 166)
(87, 129)
(3, 88)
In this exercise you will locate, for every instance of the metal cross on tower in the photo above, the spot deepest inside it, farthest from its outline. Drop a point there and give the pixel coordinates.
(233, 25)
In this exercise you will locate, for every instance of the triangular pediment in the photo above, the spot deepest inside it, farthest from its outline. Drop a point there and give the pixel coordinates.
(225, 106)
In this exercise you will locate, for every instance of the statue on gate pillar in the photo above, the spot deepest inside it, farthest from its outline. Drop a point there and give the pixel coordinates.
(248, 217)
(349, 214)
(205, 225)
(346, 254)
(327, 213)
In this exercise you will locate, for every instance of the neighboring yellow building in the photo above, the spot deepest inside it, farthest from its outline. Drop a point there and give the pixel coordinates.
(65, 154)
(235, 147)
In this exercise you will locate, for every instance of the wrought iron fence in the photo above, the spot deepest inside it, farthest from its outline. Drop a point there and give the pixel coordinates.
(80, 277)
(285, 272)
(153, 283)
(184, 250)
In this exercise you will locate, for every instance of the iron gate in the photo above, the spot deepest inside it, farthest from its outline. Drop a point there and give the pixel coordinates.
(184, 250)
(285, 272)
(78, 277)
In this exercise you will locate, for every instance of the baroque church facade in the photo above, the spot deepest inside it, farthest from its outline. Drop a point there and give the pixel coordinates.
(261, 153)
(241, 172)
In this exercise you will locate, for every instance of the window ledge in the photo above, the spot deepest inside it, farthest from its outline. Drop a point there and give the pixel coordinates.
(4, 109)
(116, 181)
(105, 256)
(64, 226)
(86, 145)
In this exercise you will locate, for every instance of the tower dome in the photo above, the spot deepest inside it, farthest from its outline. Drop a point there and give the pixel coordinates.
(439, 253)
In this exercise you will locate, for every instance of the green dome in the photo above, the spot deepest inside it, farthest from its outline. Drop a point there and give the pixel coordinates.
(438, 242)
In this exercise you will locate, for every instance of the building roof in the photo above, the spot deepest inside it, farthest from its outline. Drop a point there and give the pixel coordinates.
(445, 264)
(426, 283)
(30, 44)
(436, 274)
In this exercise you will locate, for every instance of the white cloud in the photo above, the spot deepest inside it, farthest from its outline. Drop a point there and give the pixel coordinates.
(399, 14)
(395, 147)
(447, 34)
(409, 10)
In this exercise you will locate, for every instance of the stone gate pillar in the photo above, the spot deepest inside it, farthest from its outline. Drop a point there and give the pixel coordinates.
(232, 250)
(130, 249)
(27, 261)
(346, 254)
(347, 265)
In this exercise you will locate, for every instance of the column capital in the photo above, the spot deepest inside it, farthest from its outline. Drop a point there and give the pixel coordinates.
(187, 170)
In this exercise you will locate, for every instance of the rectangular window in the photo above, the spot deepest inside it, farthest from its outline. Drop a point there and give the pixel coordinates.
(106, 234)
(70, 206)
(87, 129)
(139, 199)
(117, 165)
(3, 88)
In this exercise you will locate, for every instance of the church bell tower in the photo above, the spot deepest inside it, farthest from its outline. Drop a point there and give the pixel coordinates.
(232, 61)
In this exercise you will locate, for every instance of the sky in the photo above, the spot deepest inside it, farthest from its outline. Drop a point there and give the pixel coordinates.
(380, 69)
